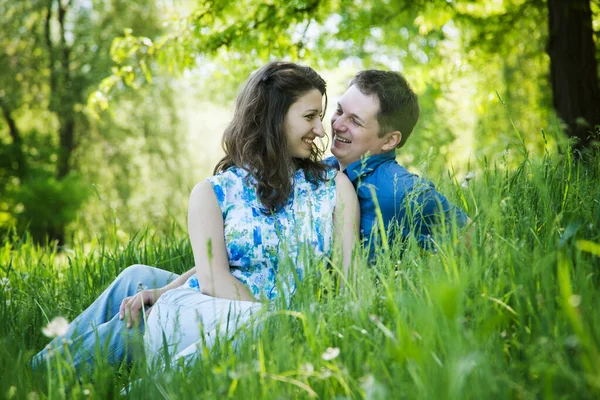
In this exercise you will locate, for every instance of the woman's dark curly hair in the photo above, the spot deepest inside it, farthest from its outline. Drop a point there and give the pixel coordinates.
(254, 139)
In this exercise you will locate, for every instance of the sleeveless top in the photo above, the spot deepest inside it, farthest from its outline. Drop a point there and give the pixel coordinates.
(270, 252)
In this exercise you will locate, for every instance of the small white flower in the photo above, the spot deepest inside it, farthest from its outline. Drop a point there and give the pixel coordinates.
(57, 327)
(367, 383)
(325, 373)
(464, 184)
(331, 353)
(5, 284)
(307, 368)
(575, 300)
(505, 202)
(469, 176)
(372, 389)
(234, 374)
(86, 392)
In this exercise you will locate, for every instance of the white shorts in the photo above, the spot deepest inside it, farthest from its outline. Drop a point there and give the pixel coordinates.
(189, 320)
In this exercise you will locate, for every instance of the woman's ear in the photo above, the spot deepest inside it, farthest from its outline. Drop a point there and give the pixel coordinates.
(393, 140)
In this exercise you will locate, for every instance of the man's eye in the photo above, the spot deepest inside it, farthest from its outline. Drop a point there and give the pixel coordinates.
(338, 111)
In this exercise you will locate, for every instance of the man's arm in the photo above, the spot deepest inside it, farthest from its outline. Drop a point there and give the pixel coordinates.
(434, 214)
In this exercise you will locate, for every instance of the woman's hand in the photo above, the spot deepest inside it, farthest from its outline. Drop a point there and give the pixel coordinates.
(132, 305)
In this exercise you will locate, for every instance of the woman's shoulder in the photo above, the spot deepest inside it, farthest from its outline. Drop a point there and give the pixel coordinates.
(332, 173)
(231, 177)
(327, 175)
(232, 184)
(231, 173)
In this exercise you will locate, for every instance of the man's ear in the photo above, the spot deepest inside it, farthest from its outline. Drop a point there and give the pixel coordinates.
(393, 140)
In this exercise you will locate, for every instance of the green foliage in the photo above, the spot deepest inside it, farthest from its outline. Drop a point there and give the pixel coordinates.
(457, 55)
(53, 56)
(511, 316)
(44, 204)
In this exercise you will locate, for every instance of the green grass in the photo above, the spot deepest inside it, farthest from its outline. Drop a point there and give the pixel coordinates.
(513, 316)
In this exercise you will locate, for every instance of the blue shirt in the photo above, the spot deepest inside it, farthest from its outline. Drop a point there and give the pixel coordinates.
(409, 204)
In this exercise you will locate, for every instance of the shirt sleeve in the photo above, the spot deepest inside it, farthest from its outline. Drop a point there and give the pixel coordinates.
(431, 213)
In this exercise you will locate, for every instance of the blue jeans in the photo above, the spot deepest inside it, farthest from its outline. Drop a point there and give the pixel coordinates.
(99, 328)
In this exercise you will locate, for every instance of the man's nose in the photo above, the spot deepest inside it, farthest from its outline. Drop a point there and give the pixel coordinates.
(337, 123)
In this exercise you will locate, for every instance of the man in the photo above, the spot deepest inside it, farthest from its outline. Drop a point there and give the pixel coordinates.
(375, 116)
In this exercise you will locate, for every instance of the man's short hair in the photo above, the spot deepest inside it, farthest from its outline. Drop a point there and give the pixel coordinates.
(398, 104)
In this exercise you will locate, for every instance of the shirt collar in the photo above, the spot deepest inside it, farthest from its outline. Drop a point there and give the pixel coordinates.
(367, 164)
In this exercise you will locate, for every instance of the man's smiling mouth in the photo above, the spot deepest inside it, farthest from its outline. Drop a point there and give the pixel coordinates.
(340, 139)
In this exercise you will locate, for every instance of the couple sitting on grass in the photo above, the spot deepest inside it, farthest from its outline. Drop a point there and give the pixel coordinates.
(272, 209)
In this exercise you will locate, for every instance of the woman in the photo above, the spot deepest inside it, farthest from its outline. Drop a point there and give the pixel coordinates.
(271, 204)
(270, 185)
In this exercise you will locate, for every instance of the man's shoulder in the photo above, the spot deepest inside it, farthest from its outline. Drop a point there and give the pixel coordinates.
(394, 176)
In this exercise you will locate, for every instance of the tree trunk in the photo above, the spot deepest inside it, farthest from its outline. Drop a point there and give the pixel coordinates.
(17, 142)
(67, 145)
(573, 69)
(61, 97)
(64, 92)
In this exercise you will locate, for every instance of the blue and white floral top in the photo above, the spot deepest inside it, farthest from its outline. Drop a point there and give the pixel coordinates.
(269, 253)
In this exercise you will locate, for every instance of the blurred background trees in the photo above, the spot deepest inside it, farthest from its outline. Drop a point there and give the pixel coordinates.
(161, 91)
(53, 53)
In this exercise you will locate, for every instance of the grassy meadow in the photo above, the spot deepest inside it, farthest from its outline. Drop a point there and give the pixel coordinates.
(514, 315)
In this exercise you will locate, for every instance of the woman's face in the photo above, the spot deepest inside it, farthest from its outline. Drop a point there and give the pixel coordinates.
(302, 124)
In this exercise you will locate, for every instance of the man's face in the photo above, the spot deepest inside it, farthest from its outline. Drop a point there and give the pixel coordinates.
(355, 128)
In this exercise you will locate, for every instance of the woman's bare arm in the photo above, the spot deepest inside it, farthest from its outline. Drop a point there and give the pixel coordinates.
(346, 220)
(205, 226)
